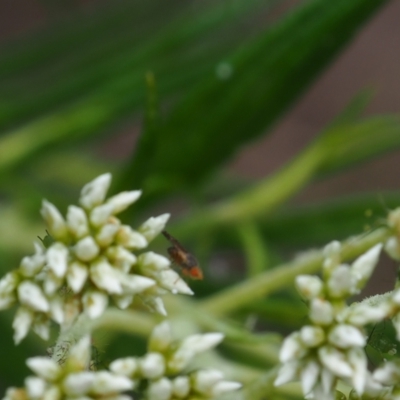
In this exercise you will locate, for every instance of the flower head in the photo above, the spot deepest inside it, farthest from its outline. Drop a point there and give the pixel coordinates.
(90, 262)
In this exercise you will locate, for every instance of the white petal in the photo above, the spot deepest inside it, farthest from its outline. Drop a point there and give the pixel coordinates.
(95, 191)
(54, 221)
(122, 201)
(225, 387)
(170, 280)
(362, 314)
(312, 336)
(358, 360)
(44, 367)
(335, 361)
(204, 380)
(159, 390)
(181, 387)
(79, 383)
(57, 259)
(130, 239)
(77, 222)
(341, 283)
(106, 234)
(105, 277)
(35, 387)
(321, 312)
(94, 303)
(30, 294)
(158, 305)
(150, 262)
(153, 226)
(309, 376)
(363, 267)
(327, 381)
(42, 328)
(152, 365)
(57, 310)
(86, 249)
(123, 301)
(292, 348)
(8, 285)
(107, 383)
(77, 275)
(388, 373)
(22, 322)
(52, 393)
(52, 283)
(124, 366)
(101, 214)
(345, 336)
(289, 372)
(308, 286)
(32, 265)
(133, 284)
(80, 353)
(121, 258)
(202, 342)
(161, 338)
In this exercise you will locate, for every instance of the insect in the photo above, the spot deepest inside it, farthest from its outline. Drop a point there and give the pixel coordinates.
(180, 256)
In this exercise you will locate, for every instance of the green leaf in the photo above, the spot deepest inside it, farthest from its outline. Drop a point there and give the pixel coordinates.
(219, 115)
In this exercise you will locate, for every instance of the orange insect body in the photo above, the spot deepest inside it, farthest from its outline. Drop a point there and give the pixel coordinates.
(187, 261)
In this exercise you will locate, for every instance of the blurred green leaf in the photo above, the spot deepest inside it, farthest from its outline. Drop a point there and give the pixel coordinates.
(268, 74)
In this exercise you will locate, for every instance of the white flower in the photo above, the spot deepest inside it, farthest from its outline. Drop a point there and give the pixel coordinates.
(172, 281)
(341, 283)
(150, 262)
(30, 295)
(125, 366)
(309, 286)
(100, 215)
(35, 387)
(44, 367)
(105, 277)
(345, 336)
(86, 249)
(57, 259)
(364, 265)
(31, 265)
(292, 348)
(79, 383)
(8, 285)
(95, 191)
(312, 336)
(94, 303)
(321, 312)
(392, 248)
(77, 275)
(288, 372)
(160, 338)
(159, 390)
(309, 376)
(388, 374)
(133, 284)
(358, 360)
(192, 345)
(153, 226)
(335, 361)
(106, 234)
(77, 222)
(22, 322)
(107, 383)
(123, 200)
(54, 221)
(152, 365)
(130, 239)
(181, 386)
(222, 387)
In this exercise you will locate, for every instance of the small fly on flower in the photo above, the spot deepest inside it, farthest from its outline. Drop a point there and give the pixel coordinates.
(180, 256)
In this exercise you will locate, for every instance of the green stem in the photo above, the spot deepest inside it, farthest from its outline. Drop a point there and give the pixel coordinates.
(261, 285)
(261, 199)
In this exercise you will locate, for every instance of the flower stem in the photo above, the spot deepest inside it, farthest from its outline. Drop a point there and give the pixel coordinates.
(263, 284)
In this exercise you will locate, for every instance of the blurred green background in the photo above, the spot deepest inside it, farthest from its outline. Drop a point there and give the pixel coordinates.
(264, 127)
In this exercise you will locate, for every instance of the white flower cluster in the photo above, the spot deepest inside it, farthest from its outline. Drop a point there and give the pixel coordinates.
(89, 261)
(162, 368)
(332, 346)
(73, 380)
